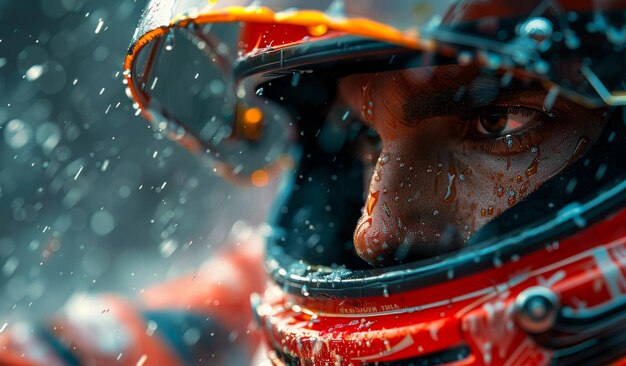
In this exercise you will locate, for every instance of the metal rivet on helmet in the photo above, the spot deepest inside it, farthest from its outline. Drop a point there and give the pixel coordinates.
(539, 30)
(536, 309)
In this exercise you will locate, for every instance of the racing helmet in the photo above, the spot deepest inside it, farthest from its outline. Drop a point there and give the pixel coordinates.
(249, 86)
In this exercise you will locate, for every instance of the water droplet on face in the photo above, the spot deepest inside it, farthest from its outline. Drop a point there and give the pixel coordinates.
(532, 168)
(435, 213)
(383, 159)
(524, 189)
(512, 198)
(580, 148)
(451, 191)
(386, 209)
(508, 139)
(368, 104)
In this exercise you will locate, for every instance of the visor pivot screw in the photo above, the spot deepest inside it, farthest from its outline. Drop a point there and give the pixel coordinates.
(536, 309)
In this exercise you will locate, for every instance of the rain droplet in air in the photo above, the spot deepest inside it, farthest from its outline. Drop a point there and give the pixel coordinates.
(99, 26)
(102, 223)
(34, 72)
(169, 42)
(168, 247)
(17, 133)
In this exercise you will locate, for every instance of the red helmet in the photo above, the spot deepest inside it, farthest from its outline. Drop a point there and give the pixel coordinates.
(543, 282)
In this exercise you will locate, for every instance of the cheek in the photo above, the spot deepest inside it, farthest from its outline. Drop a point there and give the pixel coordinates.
(493, 183)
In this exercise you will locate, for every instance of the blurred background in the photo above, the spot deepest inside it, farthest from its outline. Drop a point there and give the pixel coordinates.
(91, 199)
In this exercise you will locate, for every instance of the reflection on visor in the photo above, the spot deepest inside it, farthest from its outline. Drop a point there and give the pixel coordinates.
(185, 81)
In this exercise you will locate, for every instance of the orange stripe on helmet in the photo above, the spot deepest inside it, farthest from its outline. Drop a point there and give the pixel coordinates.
(297, 26)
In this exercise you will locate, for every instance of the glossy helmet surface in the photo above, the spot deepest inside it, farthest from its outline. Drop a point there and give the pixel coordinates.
(544, 282)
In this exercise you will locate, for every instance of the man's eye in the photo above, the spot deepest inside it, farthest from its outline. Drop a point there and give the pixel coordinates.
(498, 121)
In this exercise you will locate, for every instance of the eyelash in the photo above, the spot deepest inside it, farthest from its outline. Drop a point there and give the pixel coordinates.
(522, 140)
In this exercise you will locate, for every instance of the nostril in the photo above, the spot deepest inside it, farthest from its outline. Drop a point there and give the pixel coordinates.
(371, 239)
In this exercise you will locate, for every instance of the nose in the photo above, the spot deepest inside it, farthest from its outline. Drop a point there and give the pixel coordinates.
(407, 210)
(411, 198)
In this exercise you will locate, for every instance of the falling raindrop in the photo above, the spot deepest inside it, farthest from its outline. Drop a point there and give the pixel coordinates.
(169, 41)
(17, 133)
(102, 222)
(99, 26)
(48, 136)
(34, 72)
(168, 247)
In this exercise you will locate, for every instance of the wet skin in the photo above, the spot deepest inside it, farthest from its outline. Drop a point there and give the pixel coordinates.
(458, 149)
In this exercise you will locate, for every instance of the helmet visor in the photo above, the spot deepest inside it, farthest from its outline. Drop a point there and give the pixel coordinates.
(184, 81)
(195, 66)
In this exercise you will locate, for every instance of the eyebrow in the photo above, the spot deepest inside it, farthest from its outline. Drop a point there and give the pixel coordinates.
(426, 95)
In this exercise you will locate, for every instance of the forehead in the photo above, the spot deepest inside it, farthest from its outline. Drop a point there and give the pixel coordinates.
(440, 79)
(419, 93)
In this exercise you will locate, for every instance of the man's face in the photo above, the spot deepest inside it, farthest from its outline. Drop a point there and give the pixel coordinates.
(459, 147)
